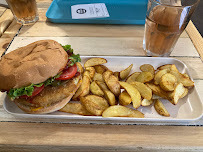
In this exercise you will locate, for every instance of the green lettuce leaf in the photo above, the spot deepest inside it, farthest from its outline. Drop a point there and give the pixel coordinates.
(67, 48)
(74, 58)
(14, 93)
(51, 80)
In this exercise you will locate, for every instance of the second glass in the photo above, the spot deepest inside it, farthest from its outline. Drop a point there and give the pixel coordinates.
(165, 21)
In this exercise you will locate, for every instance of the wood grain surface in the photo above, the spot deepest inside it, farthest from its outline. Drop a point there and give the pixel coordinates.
(101, 137)
(121, 46)
(4, 42)
(25, 134)
(195, 37)
(83, 30)
(2, 10)
(12, 30)
(5, 21)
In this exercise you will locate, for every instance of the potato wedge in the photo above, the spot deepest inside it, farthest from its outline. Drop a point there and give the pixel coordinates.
(94, 61)
(80, 67)
(87, 73)
(154, 96)
(158, 75)
(133, 92)
(116, 74)
(132, 77)
(166, 66)
(124, 73)
(147, 68)
(144, 90)
(109, 96)
(157, 90)
(186, 75)
(178, 92)
(76, 108)
(98, 77)
(91, 71)
(159, 107)
(95, 89)
(185, 93)
(181, 78)
(168, 82)
(144, 77)
(121, 111)
(112, 82)
(83, 89)
(146, 102)
(100, 68)
(174, 68)
(102, 85)
(94, 104)
(124, 98)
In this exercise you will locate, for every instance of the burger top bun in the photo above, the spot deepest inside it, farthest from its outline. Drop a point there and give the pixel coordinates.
(34, 63)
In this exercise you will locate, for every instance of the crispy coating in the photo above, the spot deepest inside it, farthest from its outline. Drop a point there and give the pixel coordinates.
(50, 95)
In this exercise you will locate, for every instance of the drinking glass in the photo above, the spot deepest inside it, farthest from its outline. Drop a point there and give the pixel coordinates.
(24, 11)
(165, 21)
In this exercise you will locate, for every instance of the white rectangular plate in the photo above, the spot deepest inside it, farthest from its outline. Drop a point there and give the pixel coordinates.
(188, 109)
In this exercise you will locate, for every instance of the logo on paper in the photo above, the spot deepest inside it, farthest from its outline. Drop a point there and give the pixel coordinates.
(81, 11)
(97, 10)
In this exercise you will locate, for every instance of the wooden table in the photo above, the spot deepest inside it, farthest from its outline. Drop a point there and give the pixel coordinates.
(19, 134)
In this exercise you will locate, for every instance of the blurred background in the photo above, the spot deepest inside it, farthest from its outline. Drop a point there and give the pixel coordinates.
(197, 17)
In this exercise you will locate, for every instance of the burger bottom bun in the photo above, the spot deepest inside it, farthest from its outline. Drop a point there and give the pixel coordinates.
(53, 107)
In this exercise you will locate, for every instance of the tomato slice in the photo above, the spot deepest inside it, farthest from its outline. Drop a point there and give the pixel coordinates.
(36, 91)
(68, 73)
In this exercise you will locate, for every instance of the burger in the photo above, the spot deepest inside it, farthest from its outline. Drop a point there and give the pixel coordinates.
(41, 77)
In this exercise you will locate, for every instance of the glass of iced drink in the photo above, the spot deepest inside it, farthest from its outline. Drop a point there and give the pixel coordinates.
(24, 11)
(165, 21)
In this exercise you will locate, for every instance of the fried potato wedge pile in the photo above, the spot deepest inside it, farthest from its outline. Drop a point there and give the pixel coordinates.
(106, 93)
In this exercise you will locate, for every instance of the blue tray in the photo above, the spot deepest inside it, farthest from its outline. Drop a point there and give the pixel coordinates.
(120, 11)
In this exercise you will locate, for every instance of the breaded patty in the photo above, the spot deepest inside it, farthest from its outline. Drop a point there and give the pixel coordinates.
(51, 94)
